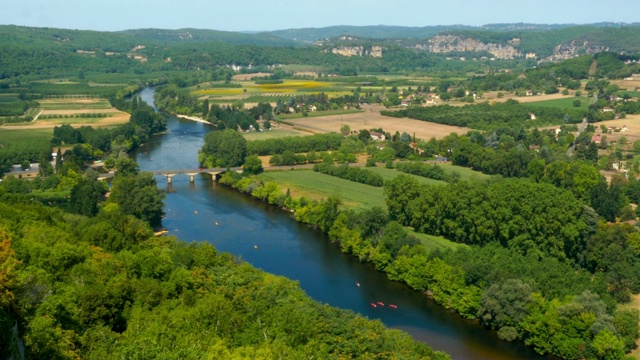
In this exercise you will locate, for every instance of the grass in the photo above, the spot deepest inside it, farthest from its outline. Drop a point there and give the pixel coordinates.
(319, 186)
(271, 134)
(388, 174)
(465, 173)
(66, 105)
(24, 135)
(432, 242)
(564, 103)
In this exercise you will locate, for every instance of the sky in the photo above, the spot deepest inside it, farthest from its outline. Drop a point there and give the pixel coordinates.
(265, 15)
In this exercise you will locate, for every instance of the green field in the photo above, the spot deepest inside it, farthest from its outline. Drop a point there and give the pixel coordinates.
(432, 242)
(319, 186)
(99, 104)
(465, 173)
(564, 103)
(388, 174)
(272, 134)
(24, 135)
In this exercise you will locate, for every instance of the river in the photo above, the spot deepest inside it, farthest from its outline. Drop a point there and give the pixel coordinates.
(272, 240)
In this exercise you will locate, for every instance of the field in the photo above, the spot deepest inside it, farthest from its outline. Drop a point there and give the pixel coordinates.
(276, 132)
(286, 87)
(633, 124)
(388, 174)
(371, 118)
(77, 112)
(319, 186)
(24, 135)
(432, 242)
(465, 173)
(65, 104)
(565, 102)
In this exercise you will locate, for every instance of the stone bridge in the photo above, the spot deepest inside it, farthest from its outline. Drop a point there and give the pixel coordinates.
(214, 172)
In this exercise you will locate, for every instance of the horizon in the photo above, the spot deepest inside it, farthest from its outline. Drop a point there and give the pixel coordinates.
(255, 16)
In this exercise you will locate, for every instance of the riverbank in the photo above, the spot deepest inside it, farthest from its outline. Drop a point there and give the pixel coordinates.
(193, 118)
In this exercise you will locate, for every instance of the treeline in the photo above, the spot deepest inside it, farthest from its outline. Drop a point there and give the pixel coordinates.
(98, 285)
(487, 116)
(296, 144)
(347, 172)
(30, 151)
(430, 171)
(527, 285)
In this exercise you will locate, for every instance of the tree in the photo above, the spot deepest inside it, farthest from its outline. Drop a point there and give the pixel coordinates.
(85, 196)
(45, 169)
(607, 346)
(138, 195)
(345, 129)
(225, 148)
(506, 304)
(252, 165)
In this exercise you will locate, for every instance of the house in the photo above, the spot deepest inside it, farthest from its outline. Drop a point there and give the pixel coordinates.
(534, 147)
(624, 128)
(607, 109)
(377, 136)
(597, 138)
(313, 108)
(532, 116)
(291, 110)
(529, 93)
(414, 146)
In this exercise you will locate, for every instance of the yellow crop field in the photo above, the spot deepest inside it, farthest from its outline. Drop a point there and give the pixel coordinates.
(287, 86)
(290, 86)
(220, 91)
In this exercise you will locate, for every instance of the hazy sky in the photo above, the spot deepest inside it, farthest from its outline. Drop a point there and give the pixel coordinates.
(253, 15)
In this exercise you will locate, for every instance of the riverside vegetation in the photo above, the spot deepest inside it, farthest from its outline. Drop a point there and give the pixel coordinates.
(543, 254)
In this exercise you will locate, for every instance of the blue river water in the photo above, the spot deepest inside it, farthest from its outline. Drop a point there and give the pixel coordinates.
(272, 240)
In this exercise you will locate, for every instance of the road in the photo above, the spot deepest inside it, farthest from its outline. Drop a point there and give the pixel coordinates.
(582, 127)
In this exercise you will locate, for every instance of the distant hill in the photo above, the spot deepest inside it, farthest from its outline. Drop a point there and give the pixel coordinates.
(539, 41)
(407, 32)
(203, 35)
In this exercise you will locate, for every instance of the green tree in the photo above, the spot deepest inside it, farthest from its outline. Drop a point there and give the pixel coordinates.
(252, 165)
(223, 149)
(85, 196)
(138, 195)
(607, 346)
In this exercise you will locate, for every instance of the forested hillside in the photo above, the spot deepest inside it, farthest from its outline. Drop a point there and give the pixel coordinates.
(101, 286)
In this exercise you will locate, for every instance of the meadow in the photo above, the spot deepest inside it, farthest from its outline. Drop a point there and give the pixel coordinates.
(278, 132)
(434, 243)
(320, 186)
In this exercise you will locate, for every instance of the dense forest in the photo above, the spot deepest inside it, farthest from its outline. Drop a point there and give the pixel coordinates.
(95, 283)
